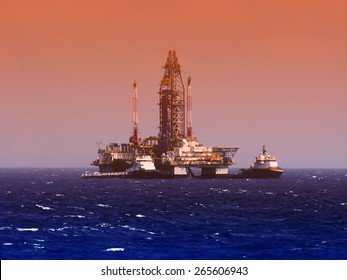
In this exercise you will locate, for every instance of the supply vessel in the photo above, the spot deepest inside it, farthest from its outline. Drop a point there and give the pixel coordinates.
(265, 166)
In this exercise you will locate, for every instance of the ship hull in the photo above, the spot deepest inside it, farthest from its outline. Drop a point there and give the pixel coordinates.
(142, 174)
(209, 172)
(115, 166)
(173, 172)
(258, 173)
(101, 175)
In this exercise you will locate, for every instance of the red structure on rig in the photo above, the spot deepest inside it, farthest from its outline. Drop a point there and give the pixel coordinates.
(134, 138)
(189, 110)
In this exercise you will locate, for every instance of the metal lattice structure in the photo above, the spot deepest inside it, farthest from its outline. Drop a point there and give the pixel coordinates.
(171, 103)
(176, 148)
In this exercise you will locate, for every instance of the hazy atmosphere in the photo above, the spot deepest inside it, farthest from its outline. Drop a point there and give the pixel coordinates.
(263, 73)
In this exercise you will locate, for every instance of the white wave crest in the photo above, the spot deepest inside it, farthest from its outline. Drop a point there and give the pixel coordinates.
(114, 250)
(140, 216)
(38, 246)
(75, 216)
(44, 207)
(5, 228)
(58, 229)
(104, 205)
(75, 207)
(132, 228)
(27, 229)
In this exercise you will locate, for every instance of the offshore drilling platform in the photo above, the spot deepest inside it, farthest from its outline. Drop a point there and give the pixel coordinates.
(175, 151)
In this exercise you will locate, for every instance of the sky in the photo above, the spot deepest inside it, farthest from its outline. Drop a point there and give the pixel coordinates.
(265, 72)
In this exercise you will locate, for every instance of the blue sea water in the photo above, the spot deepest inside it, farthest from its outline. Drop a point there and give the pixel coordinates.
(54, 214)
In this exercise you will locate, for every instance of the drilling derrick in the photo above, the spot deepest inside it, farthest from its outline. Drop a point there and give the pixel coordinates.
(171, 104)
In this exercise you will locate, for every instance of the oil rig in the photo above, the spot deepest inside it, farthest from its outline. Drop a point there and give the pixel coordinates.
(175, 151)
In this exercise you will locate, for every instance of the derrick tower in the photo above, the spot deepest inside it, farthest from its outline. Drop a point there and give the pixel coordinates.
(171, 104)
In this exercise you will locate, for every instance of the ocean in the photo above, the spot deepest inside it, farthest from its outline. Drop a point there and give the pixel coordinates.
(53, 214)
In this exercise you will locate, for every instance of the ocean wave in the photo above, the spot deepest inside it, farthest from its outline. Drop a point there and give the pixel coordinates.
(293, 193)
(38, 246)
(27, 229)
(114, 250)
(88, 228)
(215, 236)
(5, 228)
(128, 227)
(296, 249)
(219, 190)
(75, 216)
(7, 244)
(200, 204)
(58, 229)
(140, 216)
(278, 220)
(44, 207)
(103, 225)
(241, 191)
(104, 205)
(75, 207)
(132, 228)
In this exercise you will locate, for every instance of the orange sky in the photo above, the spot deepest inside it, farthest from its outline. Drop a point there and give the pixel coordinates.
(263, 72)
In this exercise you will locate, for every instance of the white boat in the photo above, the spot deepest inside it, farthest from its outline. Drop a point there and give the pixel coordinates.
(265, 166)
(142, 168)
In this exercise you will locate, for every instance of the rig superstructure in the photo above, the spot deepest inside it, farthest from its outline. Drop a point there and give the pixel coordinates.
(175, 150)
